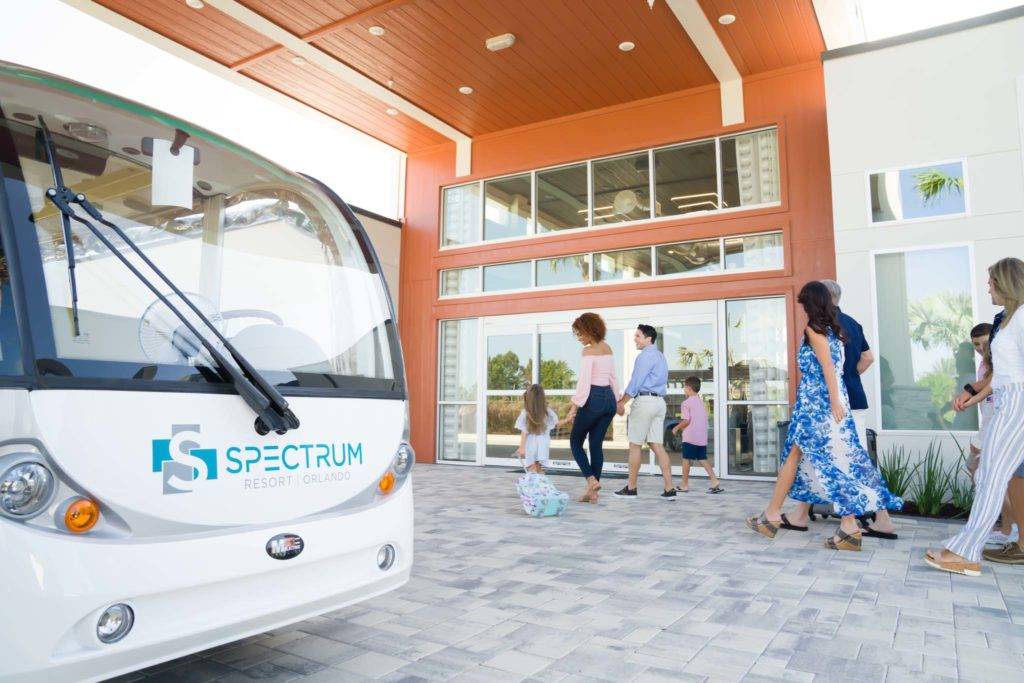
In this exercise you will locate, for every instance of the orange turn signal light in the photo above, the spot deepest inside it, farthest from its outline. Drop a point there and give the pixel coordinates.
(81, 515)
(387, 482)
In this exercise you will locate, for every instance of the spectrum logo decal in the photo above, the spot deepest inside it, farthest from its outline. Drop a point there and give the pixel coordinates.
(182, 462)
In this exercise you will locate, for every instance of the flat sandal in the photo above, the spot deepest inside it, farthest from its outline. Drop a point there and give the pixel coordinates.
(846, 541)
(763, 525)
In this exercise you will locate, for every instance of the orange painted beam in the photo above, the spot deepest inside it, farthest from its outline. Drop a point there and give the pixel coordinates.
(322, 31)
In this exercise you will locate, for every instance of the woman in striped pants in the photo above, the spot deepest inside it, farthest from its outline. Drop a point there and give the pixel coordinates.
(1004, 441)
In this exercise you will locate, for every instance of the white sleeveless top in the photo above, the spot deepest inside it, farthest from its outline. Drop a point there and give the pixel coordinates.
(1008, 352)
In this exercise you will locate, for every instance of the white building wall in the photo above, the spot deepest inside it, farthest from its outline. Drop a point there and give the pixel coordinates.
(946, 97)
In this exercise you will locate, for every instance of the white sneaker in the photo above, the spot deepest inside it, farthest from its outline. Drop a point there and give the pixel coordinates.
(998, 538)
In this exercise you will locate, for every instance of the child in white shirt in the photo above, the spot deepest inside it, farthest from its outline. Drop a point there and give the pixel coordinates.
(535, 423)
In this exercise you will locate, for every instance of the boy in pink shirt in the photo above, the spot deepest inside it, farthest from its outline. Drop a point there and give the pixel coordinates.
(694, 426)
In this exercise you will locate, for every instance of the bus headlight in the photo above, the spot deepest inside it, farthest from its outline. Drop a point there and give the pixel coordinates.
(114, 623)
(405, 456)
(26, 488)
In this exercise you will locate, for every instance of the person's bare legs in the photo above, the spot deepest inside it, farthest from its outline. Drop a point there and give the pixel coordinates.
(784, 482)
(664, 463)
(634, 464)
(715, 481)
(685, 484)
(1015, 501)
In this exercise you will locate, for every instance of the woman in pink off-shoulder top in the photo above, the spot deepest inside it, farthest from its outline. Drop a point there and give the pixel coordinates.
(594, 403)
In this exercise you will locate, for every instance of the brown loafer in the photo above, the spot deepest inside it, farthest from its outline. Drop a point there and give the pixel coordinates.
(953, 566)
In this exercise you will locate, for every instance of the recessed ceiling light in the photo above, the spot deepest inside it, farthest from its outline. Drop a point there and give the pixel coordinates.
(195, 4)
(627, 45)
(376, 31)
(391, 111)
(726, 19)
(466, 90)
(298, 61)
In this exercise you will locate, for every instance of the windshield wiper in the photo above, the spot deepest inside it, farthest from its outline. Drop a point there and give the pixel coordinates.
(65, 222)
(271, 408)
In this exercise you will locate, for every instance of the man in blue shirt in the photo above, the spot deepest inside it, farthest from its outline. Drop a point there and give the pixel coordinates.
(646, 422)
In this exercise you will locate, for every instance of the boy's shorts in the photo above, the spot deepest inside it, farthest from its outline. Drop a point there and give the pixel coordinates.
(694, 452)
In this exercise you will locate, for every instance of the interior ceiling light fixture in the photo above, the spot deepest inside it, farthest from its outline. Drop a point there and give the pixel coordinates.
(391, 111)
(650, 4)
(298, 61)
(195, 4)
(505, 40)
(726, 19)
(466, 90)
(376, 31)
(627, 45)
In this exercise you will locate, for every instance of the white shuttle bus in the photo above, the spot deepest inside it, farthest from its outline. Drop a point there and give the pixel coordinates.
(203, 423)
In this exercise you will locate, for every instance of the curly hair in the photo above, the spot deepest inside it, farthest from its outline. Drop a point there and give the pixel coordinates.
(591, 327)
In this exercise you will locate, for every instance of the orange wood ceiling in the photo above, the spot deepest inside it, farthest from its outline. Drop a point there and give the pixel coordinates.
(565, 60)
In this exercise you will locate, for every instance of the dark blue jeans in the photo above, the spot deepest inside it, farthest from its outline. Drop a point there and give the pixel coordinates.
(591, 423)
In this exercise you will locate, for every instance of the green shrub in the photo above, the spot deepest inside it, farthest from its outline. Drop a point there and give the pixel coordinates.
(897, 470)
(961, 488)
(932, 484)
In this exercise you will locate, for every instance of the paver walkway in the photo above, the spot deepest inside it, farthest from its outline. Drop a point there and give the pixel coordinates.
(643, 590)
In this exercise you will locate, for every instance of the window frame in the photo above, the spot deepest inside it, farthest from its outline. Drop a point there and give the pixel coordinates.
(593, 282)
(876, 395)
(533, 233)
(966, 213)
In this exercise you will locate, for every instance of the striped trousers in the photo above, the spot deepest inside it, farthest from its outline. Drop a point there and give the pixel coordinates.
(1001, 453)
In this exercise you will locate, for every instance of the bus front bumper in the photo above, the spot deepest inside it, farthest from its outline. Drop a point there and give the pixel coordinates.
(186, 595)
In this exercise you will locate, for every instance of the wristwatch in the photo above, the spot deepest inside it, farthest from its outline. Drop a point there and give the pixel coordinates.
(970, 390)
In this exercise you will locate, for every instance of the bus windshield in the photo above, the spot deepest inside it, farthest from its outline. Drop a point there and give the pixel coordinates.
(264, 253)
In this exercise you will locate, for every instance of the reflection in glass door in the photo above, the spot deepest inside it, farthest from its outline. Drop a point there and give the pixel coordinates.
(510, 369)
(690, 349)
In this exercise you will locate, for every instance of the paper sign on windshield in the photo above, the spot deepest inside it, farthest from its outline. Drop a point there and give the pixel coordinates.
(172, 175)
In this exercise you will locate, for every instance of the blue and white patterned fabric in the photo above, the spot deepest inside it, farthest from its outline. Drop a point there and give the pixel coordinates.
(835, 468)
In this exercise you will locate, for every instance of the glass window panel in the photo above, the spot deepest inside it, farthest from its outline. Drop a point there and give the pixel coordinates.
(621, 189)
(755, 437)
(704, 256)
(502, 435)
(507, 211)
(461, 214)
(923, 299)
(689, 350)
(562, 198)
(567, 270)
(754, 251)
(920, 192)
(507, 276)
(458, 432)
(750, 169)
(458, 360)
(686, 179)
(559, 360)
(460, 281)
(627, 264)
(673, 404)
(560, 435)
(509, 361)
(756, 350)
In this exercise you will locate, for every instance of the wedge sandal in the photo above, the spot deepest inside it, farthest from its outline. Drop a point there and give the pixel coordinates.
(846, 541)
(763, 526)
(953, 566)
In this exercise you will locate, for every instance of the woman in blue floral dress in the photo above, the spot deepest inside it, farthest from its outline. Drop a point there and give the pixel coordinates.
(822, 460)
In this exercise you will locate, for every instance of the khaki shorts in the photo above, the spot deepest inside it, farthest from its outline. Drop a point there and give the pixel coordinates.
(646, 421)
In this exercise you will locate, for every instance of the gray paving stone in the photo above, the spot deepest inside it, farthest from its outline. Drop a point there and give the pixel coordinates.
(624, 591)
